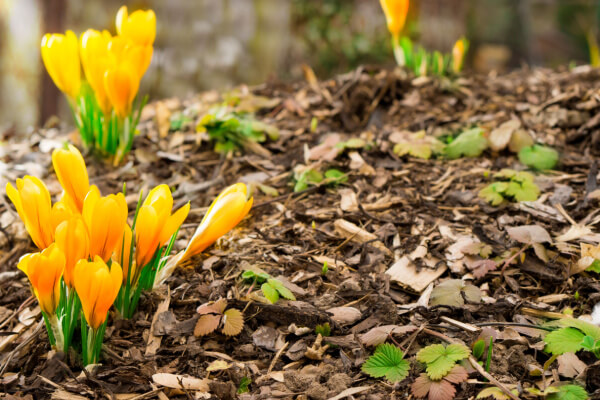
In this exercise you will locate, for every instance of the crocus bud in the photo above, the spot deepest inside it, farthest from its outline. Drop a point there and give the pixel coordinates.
(395, 13)
(44, 271)
(97, 287)
(32, 201)
(121, 83)
(139, 27)
(72, 174)
(105, 219)
(72, 239)
(61, 57)
(155, 224)
(226, 211)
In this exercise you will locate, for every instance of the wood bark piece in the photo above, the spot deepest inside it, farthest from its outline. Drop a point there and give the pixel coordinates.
(356, 234)
(405, 273)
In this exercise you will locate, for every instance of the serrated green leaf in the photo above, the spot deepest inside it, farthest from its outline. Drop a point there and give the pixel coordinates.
(270, 292)
(493, 193)
(538, 157)
(470, 143)
(569, 392)
(564, 340)
(336, 176)
(588, 328)
(283, 291)
(440, 360)
(248, 275)
(387, 361)
(523, 191)
(588, 343)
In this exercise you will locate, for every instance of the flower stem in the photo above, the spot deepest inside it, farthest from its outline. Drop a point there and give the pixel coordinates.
(398, 51)
(57, 332)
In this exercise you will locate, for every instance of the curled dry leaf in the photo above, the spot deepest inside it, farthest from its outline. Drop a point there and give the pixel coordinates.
(529, 234)
(450, 293)
(345, 315)
(218, 365)
(181, 382)
(500, 137)
(379, 334)
(233, 322)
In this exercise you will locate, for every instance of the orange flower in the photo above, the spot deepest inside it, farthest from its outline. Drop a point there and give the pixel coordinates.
(105, 219)
(95, 61)
(97, 287)
(72, 239)
(395, 13)
(32, 201)
(72, 174)
(44, 271)
(61, 58)
(458, 54)
(155, 224)
(139, 27)
(121, 83)
(226, 211)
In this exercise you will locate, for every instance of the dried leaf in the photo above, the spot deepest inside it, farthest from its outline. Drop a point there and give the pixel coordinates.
(421, 385)
(207, 324)
(480, 268)
(218, 365)
(233, 322)
(450, 293)
(570, 366)
(212, 308)
(442, 390)
(500, 137)
(529, 234)
(345, 315)
(379, 334)
(181, 382)
(457, 375)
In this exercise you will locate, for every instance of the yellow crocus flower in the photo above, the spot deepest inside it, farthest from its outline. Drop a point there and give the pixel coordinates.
(395, 13)
(139, 27)
(458, 54)
(97, 287)
(72, 239)
(44, 271)
(155, 224)
(123, 254)
(72, 174)
(105, 219)
(61, 58)
(61, 212)
(32, 201)
(121, 83)
(226, 211)
(123, 51)
(95, 61)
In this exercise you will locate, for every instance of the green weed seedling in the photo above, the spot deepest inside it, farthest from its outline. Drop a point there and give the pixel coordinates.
(510, 185)
(271, 288)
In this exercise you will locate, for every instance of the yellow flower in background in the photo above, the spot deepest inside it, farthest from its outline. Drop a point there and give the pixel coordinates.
(61, 59)
(72, 174)
(226, 211)
(32, 201)
(44, 271)
(155, 224)
(97, 287)
(458, 54)
(123, 51)
(72, 239)
(395, 13)
(105, 219)
(94, 48)
(123, 254)
(122, 83)
(139, 27)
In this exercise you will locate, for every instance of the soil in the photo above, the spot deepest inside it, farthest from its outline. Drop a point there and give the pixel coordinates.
(395, 207)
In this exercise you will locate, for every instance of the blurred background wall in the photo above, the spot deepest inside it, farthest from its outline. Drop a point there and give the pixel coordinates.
(205, 44)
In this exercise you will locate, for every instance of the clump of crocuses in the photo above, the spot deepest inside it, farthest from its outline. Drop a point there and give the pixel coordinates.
(93, 256)
(102, 100)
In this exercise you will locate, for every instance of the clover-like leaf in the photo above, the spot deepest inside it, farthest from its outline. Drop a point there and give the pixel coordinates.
(440, 360)
(470, 143)
(569, 392)
(564, 340)
(270, 292)
(388, 361)
(523, 191)
(538, 157)
(494, 193)
(283, 291)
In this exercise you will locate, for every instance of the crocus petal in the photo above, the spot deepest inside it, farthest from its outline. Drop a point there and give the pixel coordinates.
(72, 174)
(395, 13)
(72, 239)
(60, 55)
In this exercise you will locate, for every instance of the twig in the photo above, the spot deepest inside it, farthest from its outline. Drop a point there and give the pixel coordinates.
(475, 364)
(277, 355)
(513, 257)
(522, 325)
